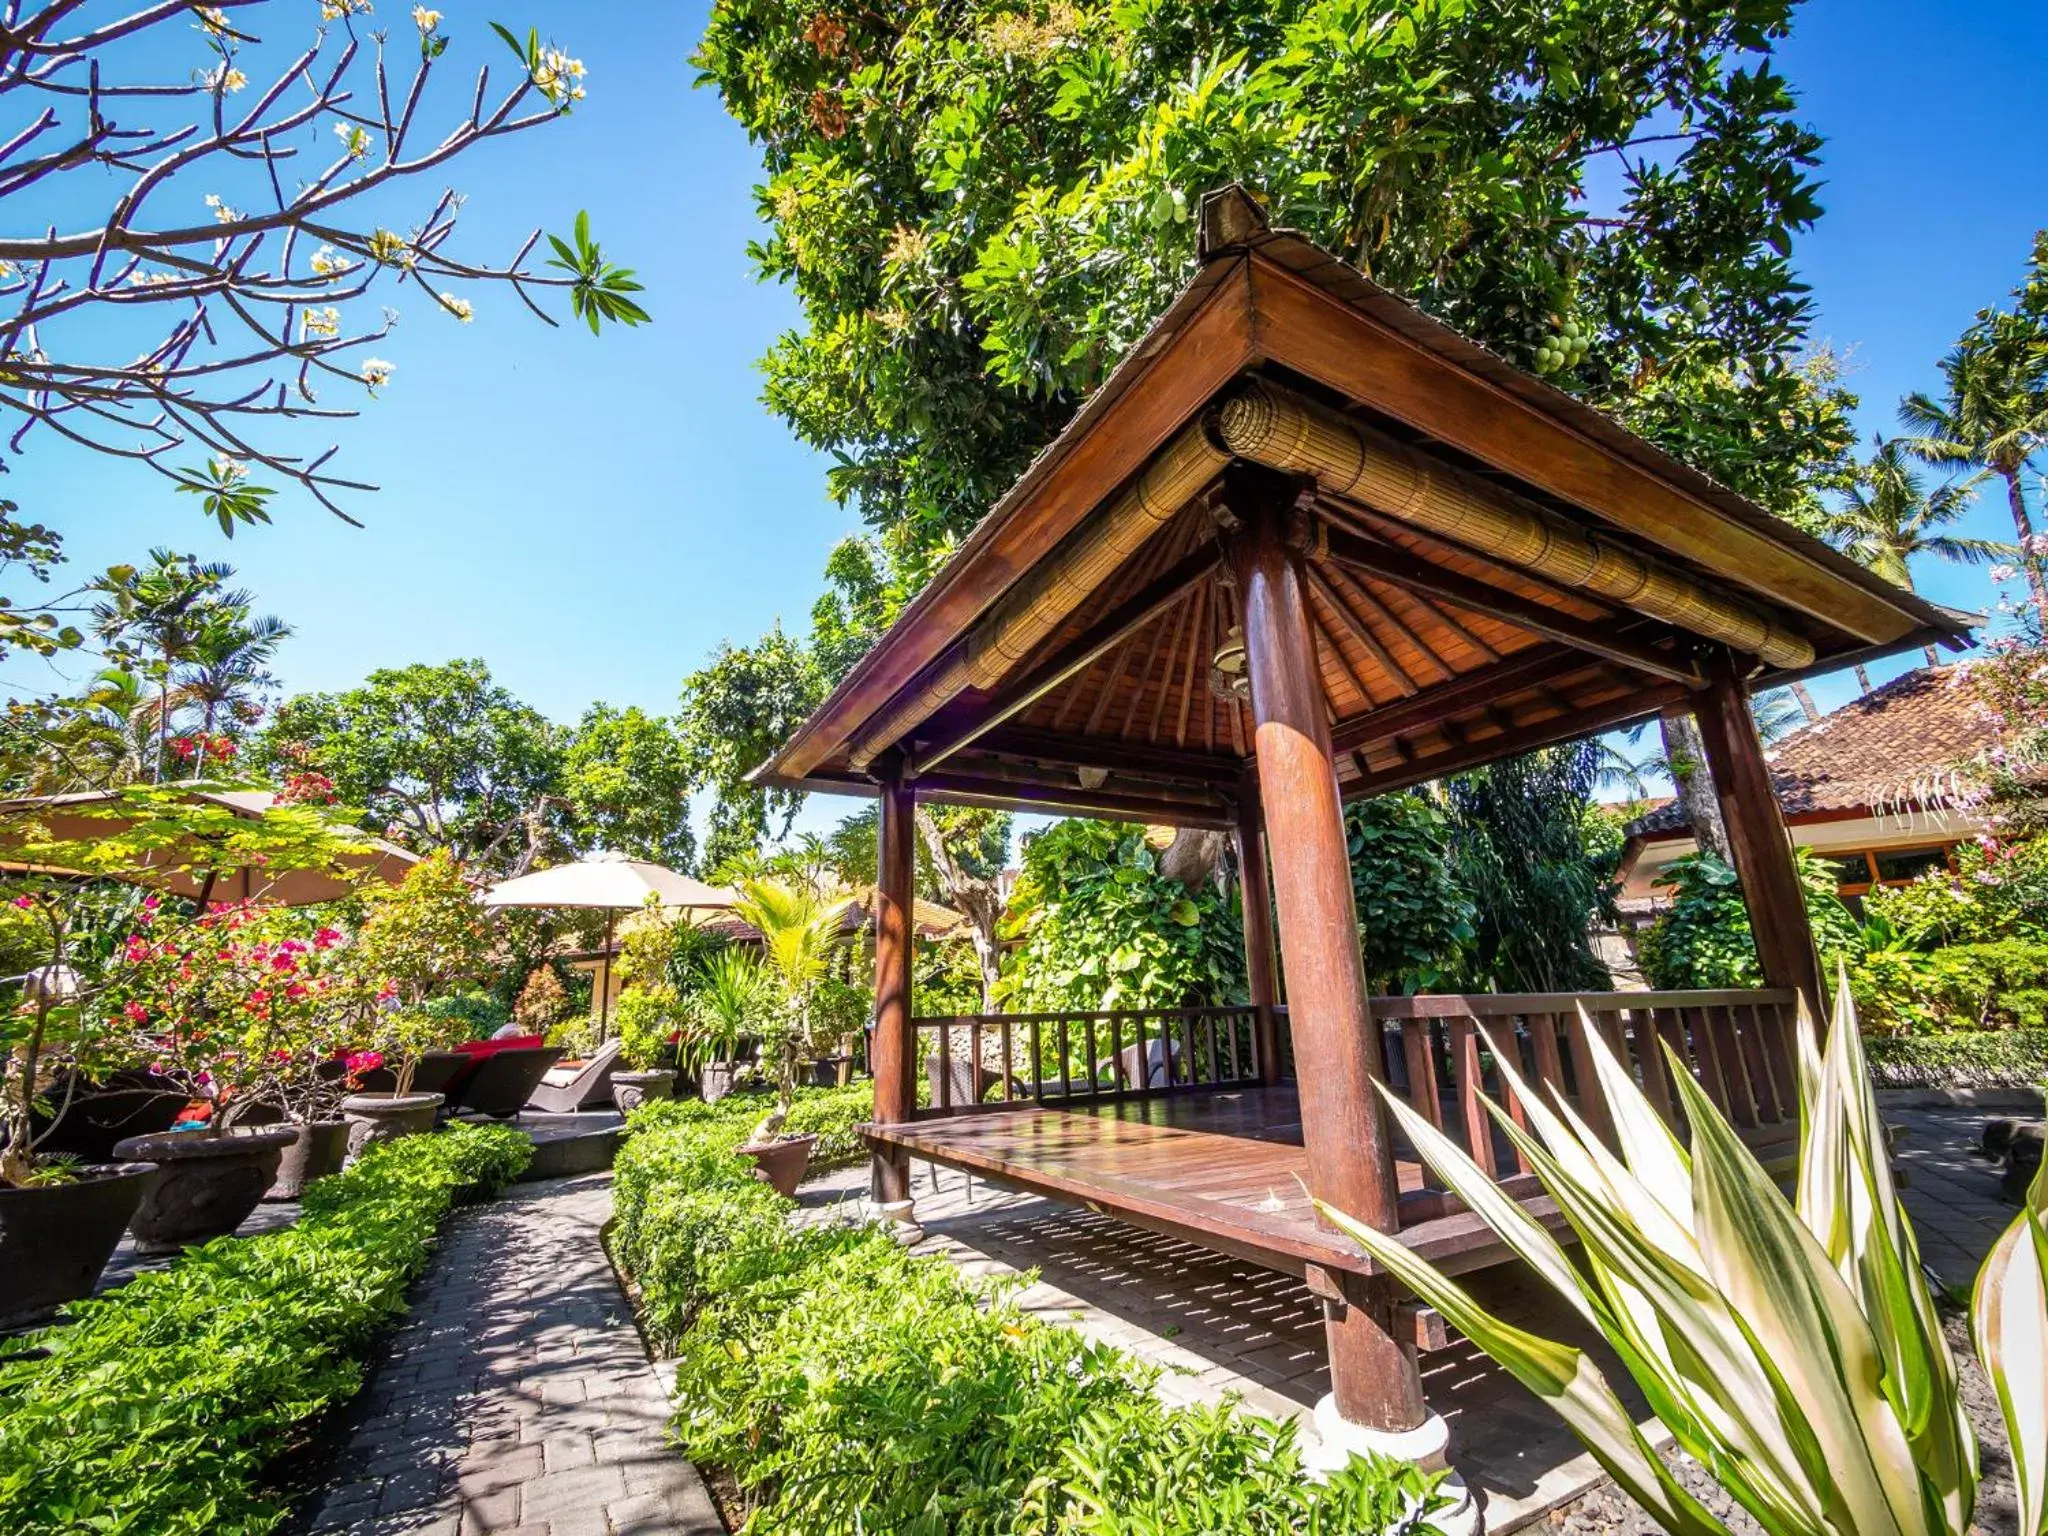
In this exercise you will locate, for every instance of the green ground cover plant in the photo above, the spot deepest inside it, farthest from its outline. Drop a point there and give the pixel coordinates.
(846, 1385)
(160, 1407)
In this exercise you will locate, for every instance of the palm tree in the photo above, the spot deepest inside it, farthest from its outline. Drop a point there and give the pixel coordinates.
(163, 603)
(800, 928)
(1889, 516)
(227, 665)
(1993, 416)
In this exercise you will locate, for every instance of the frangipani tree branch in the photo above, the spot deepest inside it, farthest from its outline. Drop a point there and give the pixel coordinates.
(246, 316)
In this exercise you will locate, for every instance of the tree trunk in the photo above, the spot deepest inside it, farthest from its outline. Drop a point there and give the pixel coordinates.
(979, 900)
(1194, 857)
(1933, 658)
(2023, 525)
(1686, 756)
(1805, 698)
(1863, 683)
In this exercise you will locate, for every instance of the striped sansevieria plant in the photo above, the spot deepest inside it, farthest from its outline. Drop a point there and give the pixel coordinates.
(1790, 1344)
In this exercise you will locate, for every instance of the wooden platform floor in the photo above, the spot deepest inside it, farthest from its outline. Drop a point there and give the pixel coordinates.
(1225, 1170)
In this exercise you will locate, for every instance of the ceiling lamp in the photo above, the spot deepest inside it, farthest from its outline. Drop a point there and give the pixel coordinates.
(1230, 669)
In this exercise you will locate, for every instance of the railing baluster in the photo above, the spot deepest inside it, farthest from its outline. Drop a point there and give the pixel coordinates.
(1741, 1095)
(1009, 1062)
(1592, 1101)
(1421, 1071)
(1707, 1053)
(1770, 1103)
(1037, 1064)
(1650, 1062)
(1465, 1072)
(945, 1068)
(975, 1092)
(1549, 1063)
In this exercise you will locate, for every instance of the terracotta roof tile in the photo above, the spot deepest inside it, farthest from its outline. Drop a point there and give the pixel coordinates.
(1897, 742)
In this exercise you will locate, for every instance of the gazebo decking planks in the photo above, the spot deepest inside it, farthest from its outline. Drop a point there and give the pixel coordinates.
(1224, 1170)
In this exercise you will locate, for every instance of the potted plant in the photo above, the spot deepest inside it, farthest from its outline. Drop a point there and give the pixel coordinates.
(59, 1220)
(208, 1000)
(645, 1018)
(732, 991)
(799, 931)
(418, 937)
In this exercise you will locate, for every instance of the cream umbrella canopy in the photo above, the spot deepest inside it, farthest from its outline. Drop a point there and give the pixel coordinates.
(610, 883)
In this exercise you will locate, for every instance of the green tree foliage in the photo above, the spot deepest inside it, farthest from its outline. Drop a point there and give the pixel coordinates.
(1992, 412)
(441, 756)
(736, 711)
(626, 781)
(981, 206)
(1517, 840)
(1415, 922)
(1100, 927)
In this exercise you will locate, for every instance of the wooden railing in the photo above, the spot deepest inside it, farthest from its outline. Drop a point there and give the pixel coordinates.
(1737, 1044)
(989, 1061)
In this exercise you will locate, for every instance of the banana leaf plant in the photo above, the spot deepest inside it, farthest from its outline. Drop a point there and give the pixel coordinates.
(1791, 1345)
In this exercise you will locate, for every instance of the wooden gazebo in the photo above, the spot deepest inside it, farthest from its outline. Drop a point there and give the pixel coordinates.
(1307, 544)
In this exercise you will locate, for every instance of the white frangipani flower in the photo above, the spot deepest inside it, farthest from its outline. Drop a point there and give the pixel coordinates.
(425, 19)
(322, 322)
(376, 372)
(460, 308)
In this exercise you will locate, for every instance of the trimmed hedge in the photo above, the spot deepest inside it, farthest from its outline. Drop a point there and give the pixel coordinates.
(1988, 1058)
(848, 1386)
(159, 1408)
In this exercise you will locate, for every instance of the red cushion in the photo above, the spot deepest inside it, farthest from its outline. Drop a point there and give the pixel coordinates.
(481, 1048)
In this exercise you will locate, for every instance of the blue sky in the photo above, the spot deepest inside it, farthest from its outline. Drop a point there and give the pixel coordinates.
(593, 515)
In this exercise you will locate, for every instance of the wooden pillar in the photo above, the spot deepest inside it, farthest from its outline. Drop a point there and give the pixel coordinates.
(1262, 972)
(893, 1054)
(1374, 1379)
(1757, 838)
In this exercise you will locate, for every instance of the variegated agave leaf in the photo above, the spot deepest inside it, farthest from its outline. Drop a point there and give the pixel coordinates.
(1800, 1360)
(2009, 1320)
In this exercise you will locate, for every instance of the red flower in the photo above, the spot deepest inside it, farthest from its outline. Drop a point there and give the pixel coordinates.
(137, 1014)
(326, 938)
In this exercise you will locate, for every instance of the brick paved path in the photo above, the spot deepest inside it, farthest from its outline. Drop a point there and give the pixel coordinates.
(516, 1399)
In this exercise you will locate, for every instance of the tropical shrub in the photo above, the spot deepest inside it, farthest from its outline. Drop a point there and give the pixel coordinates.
(1958, 986)
(845, 1385)
(1416, 924)
(1100, 927)
(643, 1018)
(542, 1001)
(800, 936)
(1790, 1345)
(160, 1406)
(1986, 1058)
(1998, 890)
(478, 1014)
(1703, 939)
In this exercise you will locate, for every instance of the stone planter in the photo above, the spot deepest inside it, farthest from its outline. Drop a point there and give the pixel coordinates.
(829, 1071)
(781, 1162)
(321, 1149)
(56, 1238)
(632, 1089)
(719, 1077)
(206, 1185)
(386, 1117)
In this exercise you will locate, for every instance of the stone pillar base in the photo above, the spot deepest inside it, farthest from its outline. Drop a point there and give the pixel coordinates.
(900, 1218)
(1338, 1440)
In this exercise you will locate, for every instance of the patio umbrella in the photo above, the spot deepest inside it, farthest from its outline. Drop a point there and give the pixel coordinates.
(611, 883)
(185, 863)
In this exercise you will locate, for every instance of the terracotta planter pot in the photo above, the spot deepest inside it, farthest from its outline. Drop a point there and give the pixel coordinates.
(55, 1239)
(206, 1185)
(781, 1163)
(321, 1149)
(632, 1089)
(383, 1117)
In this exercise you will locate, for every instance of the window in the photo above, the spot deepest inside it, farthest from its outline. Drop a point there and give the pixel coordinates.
(1851, 869)
(1900, 864)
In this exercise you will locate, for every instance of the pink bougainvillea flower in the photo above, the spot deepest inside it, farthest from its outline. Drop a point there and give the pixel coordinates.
(24, 902)
(137, 1014)
(326, 938)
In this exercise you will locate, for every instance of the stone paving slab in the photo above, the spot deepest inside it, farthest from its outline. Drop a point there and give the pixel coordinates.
(516, 1398)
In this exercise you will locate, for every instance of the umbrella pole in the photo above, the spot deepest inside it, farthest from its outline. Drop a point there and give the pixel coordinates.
(604, 1001)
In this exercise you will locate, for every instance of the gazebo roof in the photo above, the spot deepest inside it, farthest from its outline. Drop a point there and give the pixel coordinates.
(1497, 566)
